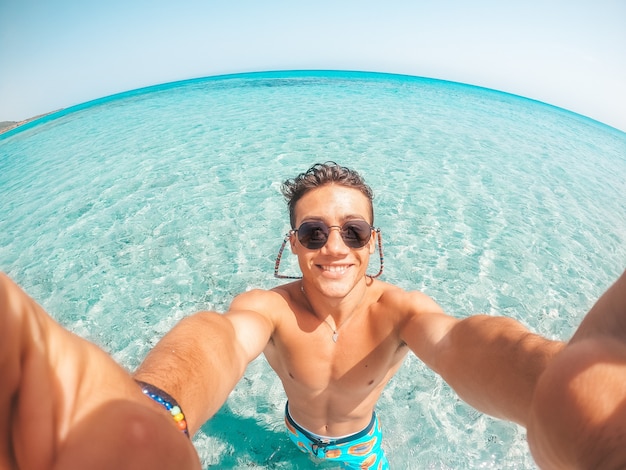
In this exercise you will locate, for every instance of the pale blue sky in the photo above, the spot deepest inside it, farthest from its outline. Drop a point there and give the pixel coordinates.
(58, 53)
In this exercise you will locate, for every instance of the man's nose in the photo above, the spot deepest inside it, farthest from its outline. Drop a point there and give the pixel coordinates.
(335, 243)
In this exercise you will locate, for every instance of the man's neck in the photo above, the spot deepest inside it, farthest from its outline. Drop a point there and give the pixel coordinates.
(340, 309)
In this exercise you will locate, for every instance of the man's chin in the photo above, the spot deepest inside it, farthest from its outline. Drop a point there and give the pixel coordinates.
(336, 288)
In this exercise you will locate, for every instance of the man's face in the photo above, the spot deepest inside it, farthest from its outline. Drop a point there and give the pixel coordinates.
(335, 268)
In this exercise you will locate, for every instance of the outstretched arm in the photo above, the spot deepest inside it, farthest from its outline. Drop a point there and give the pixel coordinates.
(571, 398)
(65, 404)
(492, 363)
(201, 359)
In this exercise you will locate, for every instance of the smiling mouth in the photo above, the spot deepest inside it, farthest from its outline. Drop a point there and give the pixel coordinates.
(334, 269)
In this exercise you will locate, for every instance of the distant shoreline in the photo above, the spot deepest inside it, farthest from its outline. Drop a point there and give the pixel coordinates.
(6, 126)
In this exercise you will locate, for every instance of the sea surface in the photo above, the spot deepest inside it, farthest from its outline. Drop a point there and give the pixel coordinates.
(125, 214)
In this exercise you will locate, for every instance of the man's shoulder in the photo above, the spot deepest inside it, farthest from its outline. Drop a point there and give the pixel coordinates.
(263, 300)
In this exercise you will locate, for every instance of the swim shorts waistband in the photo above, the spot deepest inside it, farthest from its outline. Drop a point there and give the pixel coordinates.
(358, 451)
(329, 440)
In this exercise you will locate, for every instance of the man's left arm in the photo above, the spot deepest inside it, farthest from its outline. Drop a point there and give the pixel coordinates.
(492, 363)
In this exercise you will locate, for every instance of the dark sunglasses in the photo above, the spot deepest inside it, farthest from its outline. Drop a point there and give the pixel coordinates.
(313, 235)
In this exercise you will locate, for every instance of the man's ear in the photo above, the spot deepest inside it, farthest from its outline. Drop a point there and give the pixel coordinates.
(292, 241)
(372, 242)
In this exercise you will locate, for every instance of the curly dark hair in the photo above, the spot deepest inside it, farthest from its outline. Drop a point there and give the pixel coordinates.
(319, 175)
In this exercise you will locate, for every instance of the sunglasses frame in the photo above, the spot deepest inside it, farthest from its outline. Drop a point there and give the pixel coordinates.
(347, 242)
(291, 232)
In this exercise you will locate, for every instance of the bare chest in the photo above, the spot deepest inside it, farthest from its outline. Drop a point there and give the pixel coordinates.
(309, 355)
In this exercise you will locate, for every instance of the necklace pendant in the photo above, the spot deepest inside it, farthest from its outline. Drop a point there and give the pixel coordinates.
(335, 336)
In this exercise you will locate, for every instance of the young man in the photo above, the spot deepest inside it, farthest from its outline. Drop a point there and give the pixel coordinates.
(334, 338)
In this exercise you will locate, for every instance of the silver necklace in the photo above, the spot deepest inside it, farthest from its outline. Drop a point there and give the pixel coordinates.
(334, 330)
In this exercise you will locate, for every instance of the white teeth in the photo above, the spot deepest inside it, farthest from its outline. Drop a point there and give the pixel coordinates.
(335, 269)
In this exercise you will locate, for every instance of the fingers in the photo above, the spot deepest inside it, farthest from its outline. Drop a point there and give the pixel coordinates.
(9, 370)
(33, 405)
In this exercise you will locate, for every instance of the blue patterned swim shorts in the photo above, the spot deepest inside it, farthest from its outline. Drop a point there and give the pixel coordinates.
(357, 451)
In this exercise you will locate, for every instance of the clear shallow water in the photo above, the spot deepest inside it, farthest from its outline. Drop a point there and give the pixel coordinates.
(123, 215)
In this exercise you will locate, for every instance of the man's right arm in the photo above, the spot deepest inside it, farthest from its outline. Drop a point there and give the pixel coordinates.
(202, 358)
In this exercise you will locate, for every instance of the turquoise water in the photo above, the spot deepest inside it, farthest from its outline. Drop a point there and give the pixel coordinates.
(123, 215)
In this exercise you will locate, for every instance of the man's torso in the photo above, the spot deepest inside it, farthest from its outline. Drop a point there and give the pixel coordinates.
(332, 387)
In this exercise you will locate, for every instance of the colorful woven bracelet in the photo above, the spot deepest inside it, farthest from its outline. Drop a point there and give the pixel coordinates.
(167, 402)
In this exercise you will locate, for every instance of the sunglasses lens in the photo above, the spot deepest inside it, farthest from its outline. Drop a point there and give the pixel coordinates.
(356, 234)
(314, 235)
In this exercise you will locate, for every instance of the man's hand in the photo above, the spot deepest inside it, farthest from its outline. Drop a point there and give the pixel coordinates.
(66, 404)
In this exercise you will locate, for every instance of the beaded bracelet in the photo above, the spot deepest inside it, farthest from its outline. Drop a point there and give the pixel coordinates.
(167, 402)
